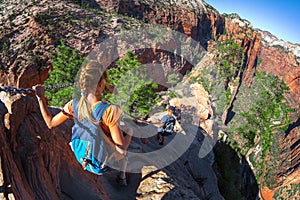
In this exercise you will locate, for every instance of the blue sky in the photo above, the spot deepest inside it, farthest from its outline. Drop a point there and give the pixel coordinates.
(281, 18)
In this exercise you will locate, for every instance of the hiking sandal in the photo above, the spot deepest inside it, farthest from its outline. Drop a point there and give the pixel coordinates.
(121, 181)
(160, 140)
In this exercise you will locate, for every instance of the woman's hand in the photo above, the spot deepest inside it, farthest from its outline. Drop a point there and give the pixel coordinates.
(39, 91)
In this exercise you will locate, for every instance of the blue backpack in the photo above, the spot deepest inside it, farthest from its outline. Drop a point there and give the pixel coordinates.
(88, 144)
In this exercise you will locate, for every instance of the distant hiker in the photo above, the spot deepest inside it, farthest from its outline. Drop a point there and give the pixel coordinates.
(166, 126)
(177, 112)
(90, 113)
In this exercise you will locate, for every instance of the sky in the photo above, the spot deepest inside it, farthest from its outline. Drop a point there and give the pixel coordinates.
(281, 18)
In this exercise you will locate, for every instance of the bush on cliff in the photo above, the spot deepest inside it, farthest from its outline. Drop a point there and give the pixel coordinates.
(66, 64)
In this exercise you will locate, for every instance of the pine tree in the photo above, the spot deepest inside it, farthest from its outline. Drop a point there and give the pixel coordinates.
(66, 64)
(134, 90)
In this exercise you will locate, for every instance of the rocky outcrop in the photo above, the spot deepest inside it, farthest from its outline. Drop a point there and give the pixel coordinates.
(26, 55)
(22, 52)
(37, 163)
(34, 159)
(286, 65)
(283, 59)
(249, 39)
(198, 20)
(264, 52)
(30, 33)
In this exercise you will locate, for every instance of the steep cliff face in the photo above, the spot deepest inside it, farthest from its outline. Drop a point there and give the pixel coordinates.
(34, 159)
(24, 45)
(37, 163)
(286, 65)
(29, 34)
(283, 59)
(249, 39)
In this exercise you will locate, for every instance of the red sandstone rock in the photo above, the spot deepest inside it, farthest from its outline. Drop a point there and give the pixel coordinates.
(27, 150)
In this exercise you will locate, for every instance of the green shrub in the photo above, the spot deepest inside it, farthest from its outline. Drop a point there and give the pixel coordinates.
(134, 89)
(173, 79)
(66, 64)
(259, 61)
(215, 79)
(269, 113)
(229, 59)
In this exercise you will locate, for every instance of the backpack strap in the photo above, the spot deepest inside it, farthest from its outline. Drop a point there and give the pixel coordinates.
(99, 110)
(67, 114)
(112, 152)
(115, 151)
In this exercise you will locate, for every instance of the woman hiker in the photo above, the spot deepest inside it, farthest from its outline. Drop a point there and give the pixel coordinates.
(92, 81)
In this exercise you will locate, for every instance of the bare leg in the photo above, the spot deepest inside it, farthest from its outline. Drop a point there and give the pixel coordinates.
(123, 162)
(158, 136)
(162, 140)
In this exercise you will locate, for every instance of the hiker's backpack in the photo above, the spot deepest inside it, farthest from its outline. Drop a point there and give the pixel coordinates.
(88, 143)
(169, 125)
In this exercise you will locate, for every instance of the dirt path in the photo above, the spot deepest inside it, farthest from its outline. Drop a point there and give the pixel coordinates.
(117, 192)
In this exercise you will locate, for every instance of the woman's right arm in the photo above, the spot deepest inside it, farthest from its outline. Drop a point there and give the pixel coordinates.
(51, 121)
(111, 119)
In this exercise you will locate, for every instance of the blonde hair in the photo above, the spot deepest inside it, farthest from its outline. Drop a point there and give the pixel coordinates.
(88, 82)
